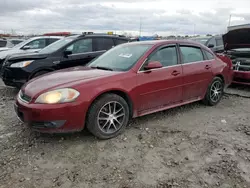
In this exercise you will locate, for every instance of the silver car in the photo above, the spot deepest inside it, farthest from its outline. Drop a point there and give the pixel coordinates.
(33, 44)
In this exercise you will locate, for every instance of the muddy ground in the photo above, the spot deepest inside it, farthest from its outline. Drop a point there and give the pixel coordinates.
(193, 146)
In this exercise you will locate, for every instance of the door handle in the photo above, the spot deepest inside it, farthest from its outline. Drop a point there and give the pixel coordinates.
(207, 67)
(175, 73)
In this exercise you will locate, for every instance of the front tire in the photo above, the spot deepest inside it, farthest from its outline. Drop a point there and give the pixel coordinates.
(40, 73)
(214, 92)
(108, 116)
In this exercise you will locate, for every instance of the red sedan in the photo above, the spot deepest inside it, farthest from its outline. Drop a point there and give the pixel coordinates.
(128, 81)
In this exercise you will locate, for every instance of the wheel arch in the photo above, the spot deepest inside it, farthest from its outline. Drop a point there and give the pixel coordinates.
(39, 70)
(119, 92)
(221, 76)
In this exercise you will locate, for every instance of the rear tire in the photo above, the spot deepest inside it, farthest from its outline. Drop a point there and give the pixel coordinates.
(108, 116)
(214, 92)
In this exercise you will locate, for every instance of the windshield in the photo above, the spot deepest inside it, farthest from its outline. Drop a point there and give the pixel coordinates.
(56, 45)
(200, 40)
(3, 43)
(21, 44)
(15, 42)
(121, 58)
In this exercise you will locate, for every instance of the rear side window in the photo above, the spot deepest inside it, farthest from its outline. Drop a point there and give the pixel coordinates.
(209, 55)
(191, 54)
(51, 40)
(3, 43)
(104, 43)
(120, 41)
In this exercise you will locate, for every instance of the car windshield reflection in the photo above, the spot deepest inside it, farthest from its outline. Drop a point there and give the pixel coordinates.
(120, 58)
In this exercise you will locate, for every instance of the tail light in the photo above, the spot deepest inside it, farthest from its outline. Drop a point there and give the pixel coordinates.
(225, 58)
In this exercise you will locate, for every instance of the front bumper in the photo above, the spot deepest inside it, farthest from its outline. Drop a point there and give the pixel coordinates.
(1, 63)
(14, 77)
(49, 118)
(241, 77)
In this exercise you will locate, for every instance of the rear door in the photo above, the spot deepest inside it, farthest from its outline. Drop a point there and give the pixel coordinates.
(197, 73)
(161, 87)
(81, 53)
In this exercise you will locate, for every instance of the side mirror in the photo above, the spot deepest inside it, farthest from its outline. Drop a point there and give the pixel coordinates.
(67, 53)
(153, 65)
(26, 47)
(210, 46)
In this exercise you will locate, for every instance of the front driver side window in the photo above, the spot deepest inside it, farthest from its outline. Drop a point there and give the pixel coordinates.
(81, 46)
(37, 44)
(166, 56)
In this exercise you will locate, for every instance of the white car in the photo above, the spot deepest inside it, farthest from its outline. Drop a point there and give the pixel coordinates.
(5, 44)
(33, 44)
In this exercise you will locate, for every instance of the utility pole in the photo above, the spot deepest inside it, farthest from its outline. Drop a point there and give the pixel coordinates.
(194, 29)
(140, 27)
(229, 21)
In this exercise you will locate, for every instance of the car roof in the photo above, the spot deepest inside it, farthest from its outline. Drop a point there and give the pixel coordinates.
(162, 42)
(201, 37)
(218, 36)
(105, 35)
(18, 39)
(41, 37)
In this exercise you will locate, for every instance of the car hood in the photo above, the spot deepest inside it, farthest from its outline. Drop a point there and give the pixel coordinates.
(27, 56)
(4, 48)
(64, 78)
(239, 38)
(4, 54)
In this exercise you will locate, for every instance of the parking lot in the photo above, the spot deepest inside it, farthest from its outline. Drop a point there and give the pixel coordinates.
(190, 146)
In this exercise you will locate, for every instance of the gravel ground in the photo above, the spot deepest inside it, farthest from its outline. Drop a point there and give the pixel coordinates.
(1, 84)
(191, 146)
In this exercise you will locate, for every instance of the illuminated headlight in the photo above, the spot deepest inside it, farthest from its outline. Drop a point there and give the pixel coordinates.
(58, 96)
(21, 64)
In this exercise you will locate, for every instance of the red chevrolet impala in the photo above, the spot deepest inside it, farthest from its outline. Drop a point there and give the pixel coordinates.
(130, 80)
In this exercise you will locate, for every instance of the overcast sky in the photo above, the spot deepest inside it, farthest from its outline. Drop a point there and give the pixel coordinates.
(157, 16)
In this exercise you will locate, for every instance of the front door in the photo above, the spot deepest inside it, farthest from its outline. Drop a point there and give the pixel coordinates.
(81, 53)
(161, 87)
(197, 73)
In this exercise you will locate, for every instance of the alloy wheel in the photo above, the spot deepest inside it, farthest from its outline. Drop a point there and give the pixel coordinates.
(216, 91)
(111, 117)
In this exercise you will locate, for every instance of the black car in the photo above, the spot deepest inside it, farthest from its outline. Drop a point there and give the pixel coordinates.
(68, 52)
(215, 43)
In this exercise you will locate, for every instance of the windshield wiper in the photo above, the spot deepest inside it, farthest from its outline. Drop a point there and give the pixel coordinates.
(102, 68)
